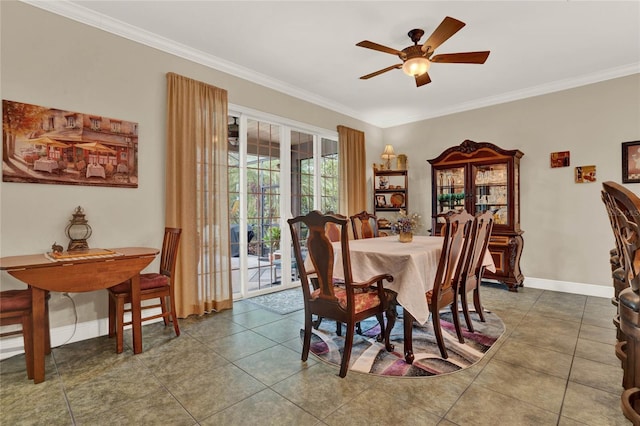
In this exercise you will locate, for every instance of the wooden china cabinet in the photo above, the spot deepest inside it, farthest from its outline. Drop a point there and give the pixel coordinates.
(479, 176)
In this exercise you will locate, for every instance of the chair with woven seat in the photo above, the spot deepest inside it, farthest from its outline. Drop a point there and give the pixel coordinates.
(445, 287)
(365, 225)
(15, 308)
(152, 286)
(349, 302)
(472, 268)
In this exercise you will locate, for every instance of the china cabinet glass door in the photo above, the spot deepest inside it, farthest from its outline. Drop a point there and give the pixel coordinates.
(450, 186)
(491, 191)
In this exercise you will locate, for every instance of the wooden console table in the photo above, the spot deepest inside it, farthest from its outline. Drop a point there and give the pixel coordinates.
(78, 275)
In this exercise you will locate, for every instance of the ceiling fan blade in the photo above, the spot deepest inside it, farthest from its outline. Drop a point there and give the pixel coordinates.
(462, 58)
(375, 46)
(423, 79)
(373, 74)
(448, 27)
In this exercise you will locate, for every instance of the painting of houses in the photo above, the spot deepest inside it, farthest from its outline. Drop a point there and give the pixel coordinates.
(49, 145)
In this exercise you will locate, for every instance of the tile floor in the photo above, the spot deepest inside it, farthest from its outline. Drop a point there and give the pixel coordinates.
(555, 365)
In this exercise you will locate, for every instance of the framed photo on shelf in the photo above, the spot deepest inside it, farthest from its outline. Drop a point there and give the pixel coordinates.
(631, 162)
(381, 201)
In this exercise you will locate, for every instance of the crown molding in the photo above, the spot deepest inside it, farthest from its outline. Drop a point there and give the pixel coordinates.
(108, 24)
(130, 32)
(543, 89)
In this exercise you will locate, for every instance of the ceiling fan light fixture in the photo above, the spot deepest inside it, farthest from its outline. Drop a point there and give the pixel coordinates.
(416, 66)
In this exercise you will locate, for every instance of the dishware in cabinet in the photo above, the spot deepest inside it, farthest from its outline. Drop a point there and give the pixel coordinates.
(390, 195)
(480, 177)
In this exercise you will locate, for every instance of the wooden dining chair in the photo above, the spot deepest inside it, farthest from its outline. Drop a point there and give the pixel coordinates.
(333, 233)
(15, 309)
(616, 260)
(349, 302)
(364, 224)
(630, 402)
(445, 287)
(152, 286)
(626, 213)
(472, 268)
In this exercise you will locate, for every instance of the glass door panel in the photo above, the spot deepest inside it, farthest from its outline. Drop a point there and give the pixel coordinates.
(263, 204)
(329, 175)
(302, 182)
(491, 191)
(269, 180)
(450, 189)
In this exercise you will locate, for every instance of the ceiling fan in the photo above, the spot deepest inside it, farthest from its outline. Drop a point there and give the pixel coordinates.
(417, 59)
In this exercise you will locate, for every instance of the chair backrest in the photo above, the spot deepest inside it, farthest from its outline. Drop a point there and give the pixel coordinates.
(625, 209)
(479, 236)
(365, 225)
(610, 205)
(332, 230)
(320, 254)
(169, 253)
(437, 221)
(454, 245)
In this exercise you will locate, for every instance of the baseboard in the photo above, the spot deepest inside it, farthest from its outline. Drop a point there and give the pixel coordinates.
(570, 287)
(68, 334)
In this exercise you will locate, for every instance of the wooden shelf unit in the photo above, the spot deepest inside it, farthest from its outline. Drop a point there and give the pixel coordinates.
(390, 193)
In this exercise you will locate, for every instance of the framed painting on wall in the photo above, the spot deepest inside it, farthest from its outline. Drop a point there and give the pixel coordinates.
(585, 174)
(50, 145)
(560, 159)
(631, 162)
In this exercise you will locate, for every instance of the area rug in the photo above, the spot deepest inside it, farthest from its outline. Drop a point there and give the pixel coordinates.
(370, 356)
(281, 302)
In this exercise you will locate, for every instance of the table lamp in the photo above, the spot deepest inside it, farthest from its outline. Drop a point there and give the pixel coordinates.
(387, 155)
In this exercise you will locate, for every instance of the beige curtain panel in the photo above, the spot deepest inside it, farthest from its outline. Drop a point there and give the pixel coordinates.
(353, 172)
(196, 194)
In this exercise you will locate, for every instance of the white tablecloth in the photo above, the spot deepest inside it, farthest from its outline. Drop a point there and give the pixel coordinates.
(95, 170)
(45, 164)
(413, 267)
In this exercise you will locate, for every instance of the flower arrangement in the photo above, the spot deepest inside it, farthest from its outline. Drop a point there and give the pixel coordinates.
(405, 223)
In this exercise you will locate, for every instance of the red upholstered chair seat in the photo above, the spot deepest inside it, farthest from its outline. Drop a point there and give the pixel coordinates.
(362, 300)
(15, 308)
(147, 282)
(15, 300)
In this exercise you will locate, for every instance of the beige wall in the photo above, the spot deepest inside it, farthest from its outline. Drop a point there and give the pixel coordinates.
(52, 61)
(567, 233)
(56, 62)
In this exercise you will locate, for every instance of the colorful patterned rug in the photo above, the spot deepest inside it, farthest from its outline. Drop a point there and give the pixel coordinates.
(370, 356)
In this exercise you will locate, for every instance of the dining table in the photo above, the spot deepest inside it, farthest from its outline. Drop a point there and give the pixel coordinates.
(80, 271)
(413, 266)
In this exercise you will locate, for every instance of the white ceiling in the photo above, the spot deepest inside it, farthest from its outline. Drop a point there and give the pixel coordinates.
(308, 48)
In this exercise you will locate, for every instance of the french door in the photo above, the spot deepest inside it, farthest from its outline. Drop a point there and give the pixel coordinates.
(276, 171)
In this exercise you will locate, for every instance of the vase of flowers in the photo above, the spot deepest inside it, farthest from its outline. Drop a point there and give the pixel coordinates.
(405, 225)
